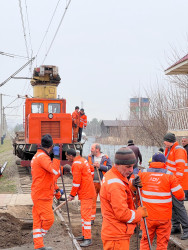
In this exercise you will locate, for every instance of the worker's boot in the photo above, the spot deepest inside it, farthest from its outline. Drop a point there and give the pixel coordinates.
(175, 230)
(45, 248)
(86, 243)
(184, 236)
(80, 238)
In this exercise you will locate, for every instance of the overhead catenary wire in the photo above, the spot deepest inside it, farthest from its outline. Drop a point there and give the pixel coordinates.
(12, 55)
(11, 103)
(27, 18)
(65, 11)
(15, 73)
(23, 26)
(48, 27)
(8, 95)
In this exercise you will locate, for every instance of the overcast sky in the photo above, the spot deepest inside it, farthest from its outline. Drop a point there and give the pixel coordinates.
(107, 51)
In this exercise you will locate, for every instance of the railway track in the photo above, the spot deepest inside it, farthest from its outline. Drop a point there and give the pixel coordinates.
(25, 188)
(26, 181)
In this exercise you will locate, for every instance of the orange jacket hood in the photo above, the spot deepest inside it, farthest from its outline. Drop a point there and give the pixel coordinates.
(157, 165)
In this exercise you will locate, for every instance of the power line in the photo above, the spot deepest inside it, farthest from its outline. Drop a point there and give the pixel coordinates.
(27, 18)
(23, 28)
(15, 73)
(11, 55)
(48, 27)
(11, 103)
(66, 8)
(9, 95)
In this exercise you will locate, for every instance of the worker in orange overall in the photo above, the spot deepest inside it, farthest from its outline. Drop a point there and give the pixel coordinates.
(43, 172)
(158, 185)
(176, 161)
(101, 164)
(185, 182)
(83, 124)
(75, 123)
(118, 211)
(83, 187)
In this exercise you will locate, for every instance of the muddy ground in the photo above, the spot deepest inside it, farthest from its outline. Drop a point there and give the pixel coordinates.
(16, 226)
(16, 222)
(16, 233)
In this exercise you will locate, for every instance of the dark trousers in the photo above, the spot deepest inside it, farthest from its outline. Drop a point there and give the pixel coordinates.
(80, 134)
(186, 195)
(179, 215)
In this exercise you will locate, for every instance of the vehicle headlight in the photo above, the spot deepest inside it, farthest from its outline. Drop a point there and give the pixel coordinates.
(78, 146)
(50, 115)
(20, 146)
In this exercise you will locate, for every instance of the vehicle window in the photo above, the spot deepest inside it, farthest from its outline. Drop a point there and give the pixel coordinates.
(54, 108)
(37, 107)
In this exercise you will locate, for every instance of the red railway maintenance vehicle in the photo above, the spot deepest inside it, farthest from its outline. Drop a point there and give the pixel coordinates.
(44, 114)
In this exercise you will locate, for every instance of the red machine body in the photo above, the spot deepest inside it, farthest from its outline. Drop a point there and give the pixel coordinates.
(47, 116)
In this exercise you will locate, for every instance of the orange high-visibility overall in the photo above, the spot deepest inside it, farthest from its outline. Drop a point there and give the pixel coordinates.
(84, 187)
(119, 214)
(75, 125)
(158, 184)
(97, 187)
(176, 162)
(43, 185)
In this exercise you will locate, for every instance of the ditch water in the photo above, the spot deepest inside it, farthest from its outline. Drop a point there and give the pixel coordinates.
(110, 150)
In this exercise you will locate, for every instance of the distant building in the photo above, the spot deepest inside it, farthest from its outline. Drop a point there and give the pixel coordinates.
(139, 108)
(116, 128)
(134, 108)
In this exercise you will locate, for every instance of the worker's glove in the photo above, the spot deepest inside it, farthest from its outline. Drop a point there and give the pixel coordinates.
(56, 152)
(75, 125)
(137, 182)
(58, 194)
(143, 211)
(61, 191)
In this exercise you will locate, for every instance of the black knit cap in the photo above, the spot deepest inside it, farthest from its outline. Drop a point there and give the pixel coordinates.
(46, 141)
(71, 151)
(170, 137)
(125, 156)
(130, 141)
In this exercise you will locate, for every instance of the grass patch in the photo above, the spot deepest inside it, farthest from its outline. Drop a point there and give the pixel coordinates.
(8, 183)
(7, 186)
(6, 146)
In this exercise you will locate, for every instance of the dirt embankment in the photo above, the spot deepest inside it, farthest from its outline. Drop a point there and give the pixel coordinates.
(11, 233)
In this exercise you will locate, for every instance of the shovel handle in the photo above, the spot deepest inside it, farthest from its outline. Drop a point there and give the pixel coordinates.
(145, 222)
(60, 205)
(98, 175)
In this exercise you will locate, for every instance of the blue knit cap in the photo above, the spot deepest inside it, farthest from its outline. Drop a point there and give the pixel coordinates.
(158, 157)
